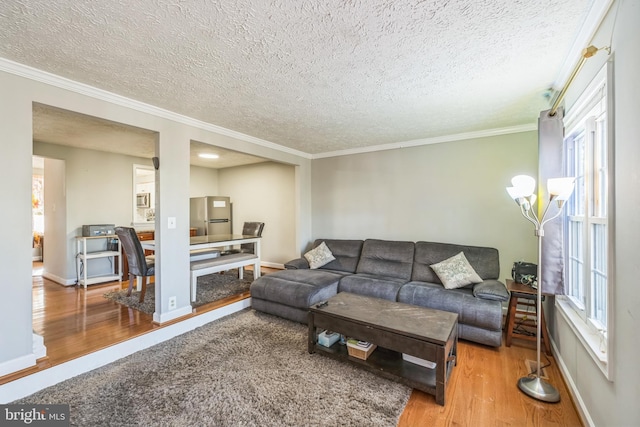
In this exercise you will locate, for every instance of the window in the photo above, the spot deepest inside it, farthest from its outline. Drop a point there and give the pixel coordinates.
(588, 230)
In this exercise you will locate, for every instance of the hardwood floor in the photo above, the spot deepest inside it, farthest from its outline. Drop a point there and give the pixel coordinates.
(482, 390)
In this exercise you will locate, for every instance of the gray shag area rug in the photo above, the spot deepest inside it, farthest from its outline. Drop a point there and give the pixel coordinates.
(212, 287)
(247, 369)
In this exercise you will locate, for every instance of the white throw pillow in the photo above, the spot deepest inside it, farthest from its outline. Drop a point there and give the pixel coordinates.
(319, 256)
(456, 272)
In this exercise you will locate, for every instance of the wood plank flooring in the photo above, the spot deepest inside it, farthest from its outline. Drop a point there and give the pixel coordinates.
(482, 390)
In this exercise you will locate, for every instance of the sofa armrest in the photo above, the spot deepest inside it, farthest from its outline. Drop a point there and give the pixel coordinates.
(491, 290)
(297, 264)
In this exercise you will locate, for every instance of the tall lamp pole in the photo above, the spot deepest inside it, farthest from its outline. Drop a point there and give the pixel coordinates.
(522, 192)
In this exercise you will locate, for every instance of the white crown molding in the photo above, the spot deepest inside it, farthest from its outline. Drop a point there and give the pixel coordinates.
(90, 91)
(434, 140)
(589, 27)
(103, 95)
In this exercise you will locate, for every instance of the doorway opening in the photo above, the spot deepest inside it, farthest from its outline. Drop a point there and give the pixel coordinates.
(37, 214)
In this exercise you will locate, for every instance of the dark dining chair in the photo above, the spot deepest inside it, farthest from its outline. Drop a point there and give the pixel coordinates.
(139, 265)
(248, 229)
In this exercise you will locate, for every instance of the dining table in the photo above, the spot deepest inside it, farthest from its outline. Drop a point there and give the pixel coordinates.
(214, 241)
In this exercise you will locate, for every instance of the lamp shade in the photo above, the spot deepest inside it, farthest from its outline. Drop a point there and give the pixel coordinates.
(524, 185)
(560, 188)
(513, 192)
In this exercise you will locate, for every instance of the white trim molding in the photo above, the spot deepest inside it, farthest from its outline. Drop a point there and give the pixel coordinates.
(591, 340)
(581, 407)
(590, 25)
(15, 365)
(58, 279)
(435, 140)
(103, 95)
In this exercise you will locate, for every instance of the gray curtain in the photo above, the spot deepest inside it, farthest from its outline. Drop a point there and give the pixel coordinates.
(550, 165)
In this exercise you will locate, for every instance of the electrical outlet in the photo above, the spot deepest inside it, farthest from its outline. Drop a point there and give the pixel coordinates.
(173, 303)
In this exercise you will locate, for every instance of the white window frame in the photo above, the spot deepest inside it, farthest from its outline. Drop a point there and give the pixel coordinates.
(595, 337)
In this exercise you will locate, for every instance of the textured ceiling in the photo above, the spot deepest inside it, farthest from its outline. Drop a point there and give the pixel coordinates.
(317, 76)
(62, 127)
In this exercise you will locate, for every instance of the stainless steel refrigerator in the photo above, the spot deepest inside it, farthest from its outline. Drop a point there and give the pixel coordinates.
(210, 215)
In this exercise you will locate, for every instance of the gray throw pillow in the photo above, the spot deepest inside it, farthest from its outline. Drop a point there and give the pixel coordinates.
(319, 256)
(456, 272)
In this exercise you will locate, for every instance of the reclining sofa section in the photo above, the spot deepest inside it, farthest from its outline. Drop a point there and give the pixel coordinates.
(397, 271)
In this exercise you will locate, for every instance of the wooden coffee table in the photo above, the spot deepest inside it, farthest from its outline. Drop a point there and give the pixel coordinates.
(395, 328)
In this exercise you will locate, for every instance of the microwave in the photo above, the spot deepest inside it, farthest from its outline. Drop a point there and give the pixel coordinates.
(143, 200)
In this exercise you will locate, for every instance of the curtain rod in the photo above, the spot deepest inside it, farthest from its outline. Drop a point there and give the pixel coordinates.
(587, 52)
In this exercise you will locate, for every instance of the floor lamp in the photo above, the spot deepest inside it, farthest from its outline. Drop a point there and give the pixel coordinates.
(522, 192)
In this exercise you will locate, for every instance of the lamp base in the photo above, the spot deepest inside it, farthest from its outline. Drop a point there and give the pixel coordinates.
(538, 389)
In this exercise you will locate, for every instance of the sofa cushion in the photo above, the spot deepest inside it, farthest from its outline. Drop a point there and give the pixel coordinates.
(456, 272)
(371, 285)
(346, 252)
(319, 256)
(296, 288)
(491, 289)
(479, 312)
(485, 261)
(387, 259)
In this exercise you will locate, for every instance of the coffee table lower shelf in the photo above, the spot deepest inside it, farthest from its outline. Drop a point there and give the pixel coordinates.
(389, 364)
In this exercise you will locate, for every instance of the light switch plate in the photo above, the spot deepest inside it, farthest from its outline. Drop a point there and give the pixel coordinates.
(171, 222)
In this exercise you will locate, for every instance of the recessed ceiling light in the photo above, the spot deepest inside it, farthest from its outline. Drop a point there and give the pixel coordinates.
(208, 156)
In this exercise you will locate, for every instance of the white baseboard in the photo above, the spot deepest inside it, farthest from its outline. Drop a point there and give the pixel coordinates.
(39, 349)
(272, 264)
(58, 279)
(18, 364)
(172, 315)
(583, 412)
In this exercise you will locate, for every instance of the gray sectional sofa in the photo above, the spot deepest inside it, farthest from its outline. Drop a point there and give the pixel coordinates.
(393, 270)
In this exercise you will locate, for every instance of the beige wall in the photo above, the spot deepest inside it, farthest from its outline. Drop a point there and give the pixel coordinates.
(264, 192)
(452, 192)
(203, 182)
(55, 221)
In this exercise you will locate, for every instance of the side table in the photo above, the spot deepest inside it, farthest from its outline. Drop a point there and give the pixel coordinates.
(524, 295)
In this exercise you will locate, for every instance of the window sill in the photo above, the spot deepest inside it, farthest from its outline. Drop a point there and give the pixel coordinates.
(590, 339)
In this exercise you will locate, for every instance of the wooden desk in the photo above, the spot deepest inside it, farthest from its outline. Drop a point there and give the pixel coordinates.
(524, 295)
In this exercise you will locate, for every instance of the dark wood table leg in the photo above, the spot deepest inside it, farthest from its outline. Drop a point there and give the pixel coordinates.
(511, 319)
(312, 334)
(454, 352)
(441, 374)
